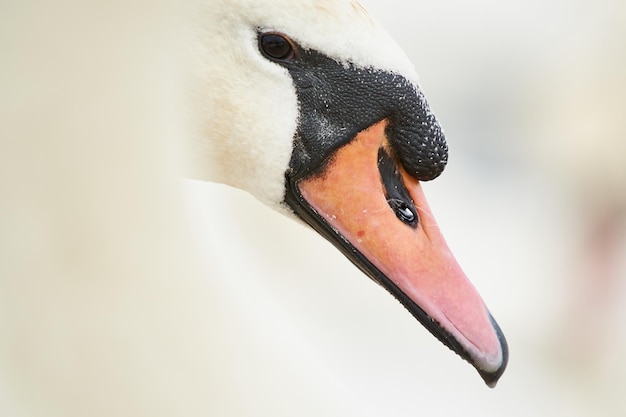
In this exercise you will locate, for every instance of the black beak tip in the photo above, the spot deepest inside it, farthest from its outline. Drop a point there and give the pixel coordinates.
(491, 378)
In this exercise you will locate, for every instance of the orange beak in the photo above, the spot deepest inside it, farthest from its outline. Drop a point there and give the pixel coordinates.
(413, 261)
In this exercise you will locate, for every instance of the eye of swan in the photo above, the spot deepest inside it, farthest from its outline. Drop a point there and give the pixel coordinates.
(277, 47)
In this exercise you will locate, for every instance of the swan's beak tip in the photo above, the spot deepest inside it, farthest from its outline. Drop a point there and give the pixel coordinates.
(491, 382)
(491, 378)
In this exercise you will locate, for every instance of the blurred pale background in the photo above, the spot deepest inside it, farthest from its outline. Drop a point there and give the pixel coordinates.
(530, 95)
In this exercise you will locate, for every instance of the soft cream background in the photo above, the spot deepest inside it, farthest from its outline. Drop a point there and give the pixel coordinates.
(276, 322)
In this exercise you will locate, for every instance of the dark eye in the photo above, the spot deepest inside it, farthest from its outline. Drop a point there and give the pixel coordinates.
(276, 47)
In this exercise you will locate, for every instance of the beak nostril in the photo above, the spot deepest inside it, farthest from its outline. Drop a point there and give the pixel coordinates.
(403, 211)
(395, 191)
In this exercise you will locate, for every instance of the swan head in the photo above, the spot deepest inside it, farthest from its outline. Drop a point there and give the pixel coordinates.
(310, 106)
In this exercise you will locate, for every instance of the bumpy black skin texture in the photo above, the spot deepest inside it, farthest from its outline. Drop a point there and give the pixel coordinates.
(339, 100)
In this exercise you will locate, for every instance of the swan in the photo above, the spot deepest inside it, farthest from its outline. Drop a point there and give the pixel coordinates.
(314, 109)
(307, 105)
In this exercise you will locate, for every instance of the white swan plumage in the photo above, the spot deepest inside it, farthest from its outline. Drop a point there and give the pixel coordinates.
(260, 168)
(93, 236)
